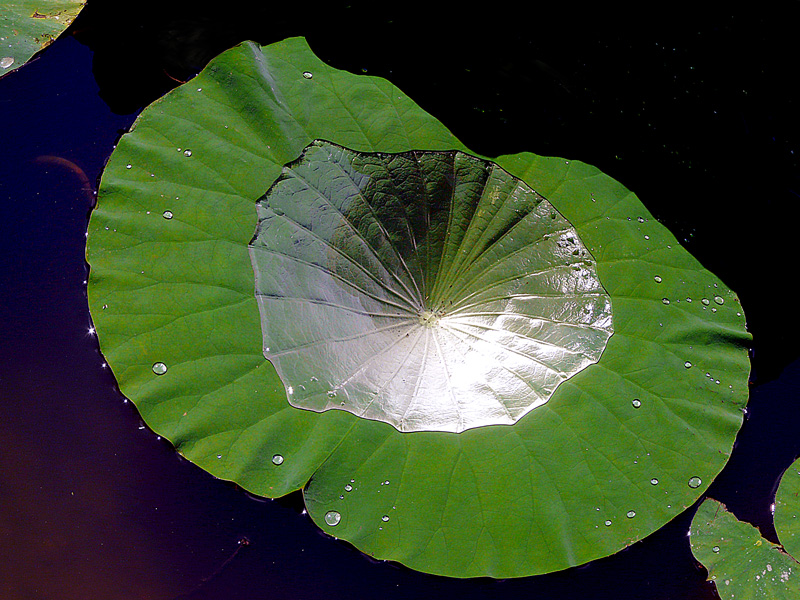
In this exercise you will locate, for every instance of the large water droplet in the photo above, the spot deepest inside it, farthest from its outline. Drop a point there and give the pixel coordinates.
(385, 518)
(719, 299)
(159, 368)
(695, 482)
(277, 459)
(636, 403)
(308, 74)
(687, 364)
(6, 61)
(608, 523)
(348, 488)
(167, 214)
(332, 518)
(657, 279)
(665, 300)
(654, 481)
(128, 166)
(187, 152)
(630, 514)
(705, 301)
(715, 549)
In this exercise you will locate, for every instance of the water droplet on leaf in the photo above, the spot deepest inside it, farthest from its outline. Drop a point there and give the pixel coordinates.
(332, 518)
(277, 459)
(695, 482)
(159, 368)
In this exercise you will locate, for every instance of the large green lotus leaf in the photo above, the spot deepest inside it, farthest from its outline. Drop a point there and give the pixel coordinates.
(787, 509)
(739, 561)
(27, 26)
(620, 447)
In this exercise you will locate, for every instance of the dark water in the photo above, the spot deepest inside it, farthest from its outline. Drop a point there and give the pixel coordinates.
(694, 112)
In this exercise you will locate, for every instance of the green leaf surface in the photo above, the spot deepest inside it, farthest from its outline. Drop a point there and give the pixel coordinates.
(787, 509)
(27, 26)
(428, 290)
(739, 561)
(619, 448)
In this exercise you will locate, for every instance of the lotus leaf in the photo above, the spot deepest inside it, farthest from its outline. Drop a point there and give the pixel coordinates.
(619, 448)
(787, 509)
(739, 561)
(27, 26)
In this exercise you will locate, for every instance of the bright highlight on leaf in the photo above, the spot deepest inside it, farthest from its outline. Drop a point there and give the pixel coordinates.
(739, 561)
(429, 290)
(27, 26)
(619, 448)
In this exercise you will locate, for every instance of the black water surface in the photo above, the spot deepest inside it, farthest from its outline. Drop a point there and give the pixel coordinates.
(694, 111)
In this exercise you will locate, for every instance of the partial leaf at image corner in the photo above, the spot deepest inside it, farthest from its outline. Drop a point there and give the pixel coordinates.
(27, 26)
(740, 562)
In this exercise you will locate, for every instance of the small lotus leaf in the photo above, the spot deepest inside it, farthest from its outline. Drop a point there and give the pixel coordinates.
(740, 562)
(27, 26)
(787, 509)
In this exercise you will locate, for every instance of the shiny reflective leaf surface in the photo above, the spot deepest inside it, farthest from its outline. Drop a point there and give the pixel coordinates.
(27, 26)
(429, 290)
(739, 561)
(619, 449)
